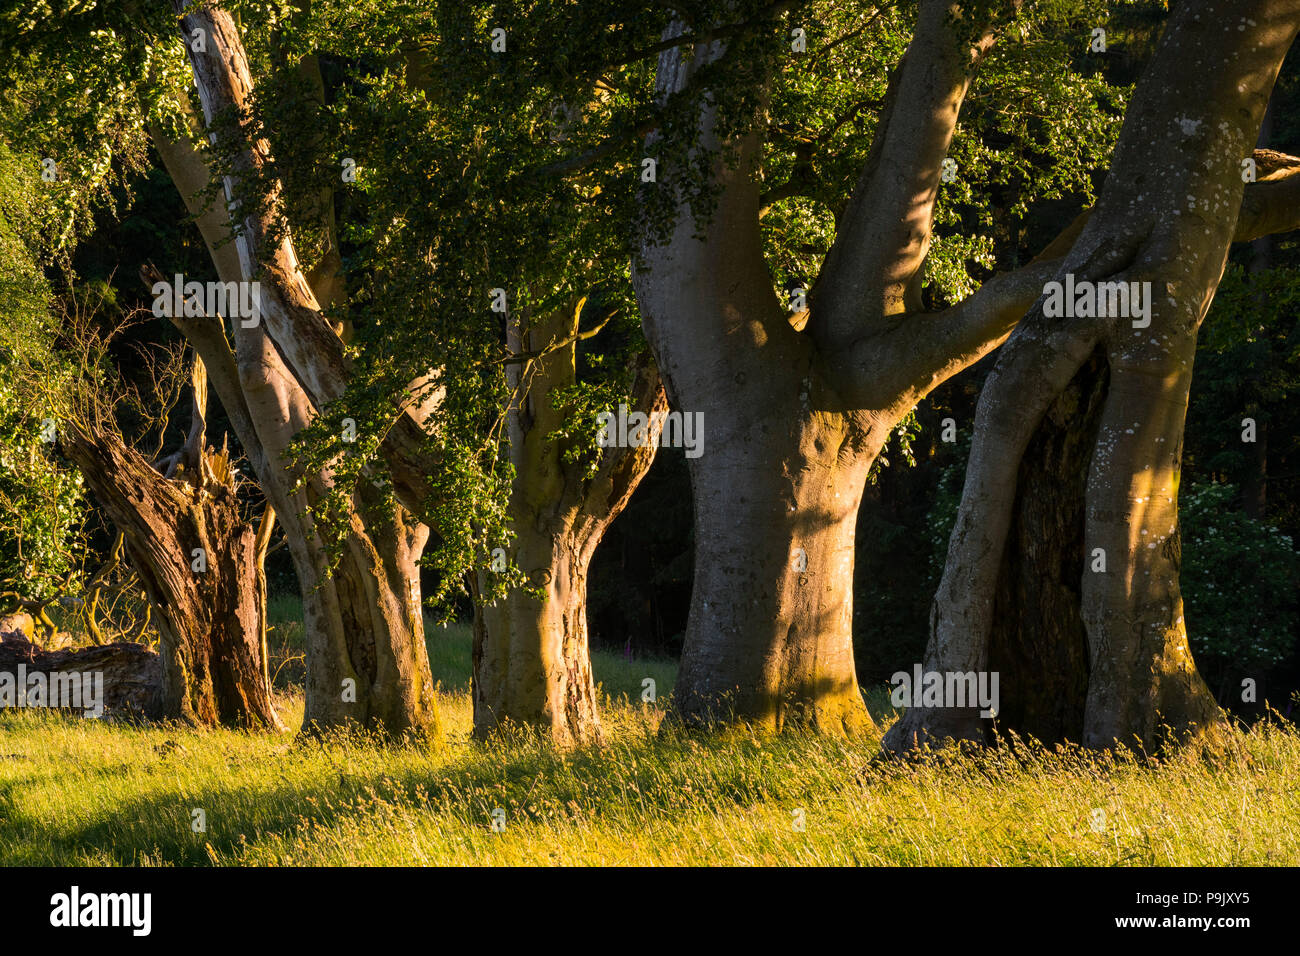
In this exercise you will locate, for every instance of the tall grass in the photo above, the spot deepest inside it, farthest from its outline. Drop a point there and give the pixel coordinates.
(89, 792)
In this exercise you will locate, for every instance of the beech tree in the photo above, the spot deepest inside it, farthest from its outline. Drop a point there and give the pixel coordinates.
(799, 410)
(1064, 562)
(531, 658)
(365, 630)
(354, 548)
(800, 406)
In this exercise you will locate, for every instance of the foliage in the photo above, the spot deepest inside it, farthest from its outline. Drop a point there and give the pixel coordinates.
(1239, 582)
(40, 501)
(1247, 366)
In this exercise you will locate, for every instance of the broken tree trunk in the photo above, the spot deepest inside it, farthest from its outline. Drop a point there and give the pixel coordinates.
(116, 680)
(196, 559)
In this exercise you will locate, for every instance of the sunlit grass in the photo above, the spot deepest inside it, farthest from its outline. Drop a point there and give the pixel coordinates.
(86, 792)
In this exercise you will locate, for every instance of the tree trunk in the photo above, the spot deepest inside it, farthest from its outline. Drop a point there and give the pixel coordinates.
(210, 620)
(366, 658)
(1141, 681)
(129, 676)
(797, 408)
(1038, 643)
(770, 635)
(532, 664)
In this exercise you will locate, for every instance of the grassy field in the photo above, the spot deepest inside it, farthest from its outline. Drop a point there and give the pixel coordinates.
(82, 792)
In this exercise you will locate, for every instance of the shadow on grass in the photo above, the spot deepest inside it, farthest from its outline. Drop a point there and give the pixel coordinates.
(323, 782)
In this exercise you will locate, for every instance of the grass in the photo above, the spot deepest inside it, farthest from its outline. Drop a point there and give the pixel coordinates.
(77, 792)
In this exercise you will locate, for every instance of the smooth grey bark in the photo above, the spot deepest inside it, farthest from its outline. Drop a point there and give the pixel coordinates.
(1173, 203)
(532, 666)
(795, 412)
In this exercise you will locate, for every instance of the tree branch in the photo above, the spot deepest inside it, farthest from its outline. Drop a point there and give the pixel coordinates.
(874, 268)
(1271, 204)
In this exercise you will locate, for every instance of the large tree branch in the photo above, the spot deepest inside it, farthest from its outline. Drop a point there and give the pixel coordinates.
(874, 268)
(1271, 204)
(189, 172)
(925, 350)
(288, 309)
(287, 306)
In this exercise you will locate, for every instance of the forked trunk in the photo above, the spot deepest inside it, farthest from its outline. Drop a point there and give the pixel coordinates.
(366, 659)
(532, 663)
(1129, 371)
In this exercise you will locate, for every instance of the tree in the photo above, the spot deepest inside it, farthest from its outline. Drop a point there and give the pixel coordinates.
(1079, 431)
(365, 632)
(798, 411)
(199, 560)
(531, 658)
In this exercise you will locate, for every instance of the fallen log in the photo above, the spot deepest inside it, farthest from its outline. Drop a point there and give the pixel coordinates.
(112, 680)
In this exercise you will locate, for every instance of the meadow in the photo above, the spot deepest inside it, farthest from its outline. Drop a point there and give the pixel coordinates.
(86, 792)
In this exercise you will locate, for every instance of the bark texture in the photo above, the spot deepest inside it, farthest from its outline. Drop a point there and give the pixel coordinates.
(1173, 203)
(796, 409)
(366, 658)
(210, 621)
(532, 665)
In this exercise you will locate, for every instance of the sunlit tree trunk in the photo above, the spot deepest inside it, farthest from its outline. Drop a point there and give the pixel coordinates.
(196, 557)
(532, 665)
(1104, 400)
(366, 659)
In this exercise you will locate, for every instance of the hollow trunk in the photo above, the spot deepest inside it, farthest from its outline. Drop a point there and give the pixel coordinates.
(196, 558)
(1142, 686)
(1038, 643)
